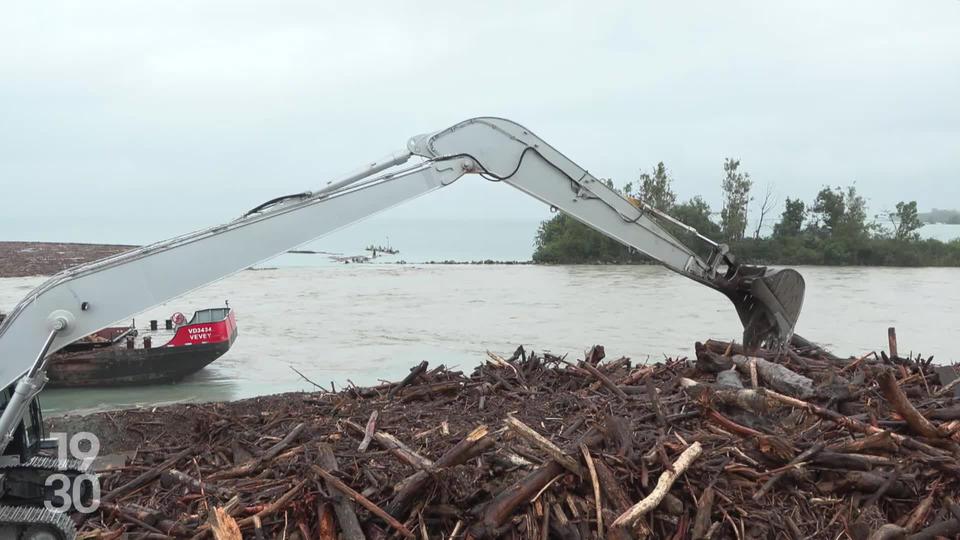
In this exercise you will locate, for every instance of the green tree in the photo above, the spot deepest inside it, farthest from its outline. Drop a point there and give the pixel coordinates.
(828, 210)
(563, 239)
(906, 221)
(840, 213)
(656, 189)
(736, 196)
(843, 236)
(854, 223)
(696, 213)
(791, 221)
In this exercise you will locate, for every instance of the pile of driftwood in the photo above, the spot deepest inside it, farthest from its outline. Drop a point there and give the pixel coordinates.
(799, 444)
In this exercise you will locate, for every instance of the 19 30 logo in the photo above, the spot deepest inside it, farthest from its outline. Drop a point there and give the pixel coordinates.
(79, 492)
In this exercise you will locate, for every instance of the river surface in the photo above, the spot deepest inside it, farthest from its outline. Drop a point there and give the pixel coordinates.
(364, 323)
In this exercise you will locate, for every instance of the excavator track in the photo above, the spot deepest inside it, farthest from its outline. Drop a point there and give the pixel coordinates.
(25, 483)
(35, 523)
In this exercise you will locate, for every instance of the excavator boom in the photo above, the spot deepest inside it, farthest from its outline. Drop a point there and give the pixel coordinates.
(89, 297)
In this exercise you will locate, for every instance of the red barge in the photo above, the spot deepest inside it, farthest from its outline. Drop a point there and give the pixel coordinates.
(125, 355)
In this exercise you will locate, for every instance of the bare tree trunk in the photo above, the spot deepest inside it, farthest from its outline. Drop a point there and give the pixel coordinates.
(766, 207)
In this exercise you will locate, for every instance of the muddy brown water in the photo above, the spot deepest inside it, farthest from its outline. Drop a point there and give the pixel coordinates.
(363, 323)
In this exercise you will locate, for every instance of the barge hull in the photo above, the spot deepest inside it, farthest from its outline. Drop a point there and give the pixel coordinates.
(145, 366)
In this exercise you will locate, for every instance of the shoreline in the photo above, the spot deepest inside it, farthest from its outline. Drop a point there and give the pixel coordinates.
(27, 259)
(32, 259)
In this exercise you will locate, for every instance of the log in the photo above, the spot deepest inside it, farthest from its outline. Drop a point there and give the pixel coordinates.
(146, 477)
(729, 378)
(596, 487)
(336, 483)
(919, 514)
(894, 394)
(346, 515)
(776, 376)
(396, 447)
(947, 413)
(223, 526)
(411, 486)
(864, 482)
(369, 431)
(892, 342)
(855, 425)
(146, 517)
(877, 441)
(882, 490)
(702, 520)
(426, 391)
(657, 406)
(610, 367)
(499, 510)
(849, 461)
(595, 355)
(801, 457)
(664, 483)
(888, 532)
(711, 362)
(273, 507)
(944, 529)
(542, 443)
(604, 380)
(195, 485)
(414, 373)
(611, 487)
(255, 464)
(327, 527)
(496, 512)
(635, 376)
(750, 400)
(949, 379)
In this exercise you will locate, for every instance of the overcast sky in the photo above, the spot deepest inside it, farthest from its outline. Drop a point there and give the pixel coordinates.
(159, 117)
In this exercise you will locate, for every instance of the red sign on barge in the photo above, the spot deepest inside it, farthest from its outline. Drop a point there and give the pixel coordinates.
(119, 355)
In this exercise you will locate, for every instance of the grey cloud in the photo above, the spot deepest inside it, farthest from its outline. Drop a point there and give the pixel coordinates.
(117, 112)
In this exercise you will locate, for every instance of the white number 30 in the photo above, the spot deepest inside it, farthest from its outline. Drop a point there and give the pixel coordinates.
(69, 494)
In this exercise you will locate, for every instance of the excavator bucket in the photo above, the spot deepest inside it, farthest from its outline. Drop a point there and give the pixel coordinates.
(768, 302)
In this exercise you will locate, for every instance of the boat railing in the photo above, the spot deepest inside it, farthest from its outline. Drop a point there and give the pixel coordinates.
(210, 315)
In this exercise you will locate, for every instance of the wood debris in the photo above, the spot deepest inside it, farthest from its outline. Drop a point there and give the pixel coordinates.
(534, 446)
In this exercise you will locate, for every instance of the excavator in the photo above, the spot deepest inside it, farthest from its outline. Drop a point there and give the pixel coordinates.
(89, 297)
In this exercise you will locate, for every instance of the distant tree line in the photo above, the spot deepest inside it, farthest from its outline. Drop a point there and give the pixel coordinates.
(833, 229)
(950, 217)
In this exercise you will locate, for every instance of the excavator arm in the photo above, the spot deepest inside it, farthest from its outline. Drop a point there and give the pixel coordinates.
(767, 301)
(89, 297)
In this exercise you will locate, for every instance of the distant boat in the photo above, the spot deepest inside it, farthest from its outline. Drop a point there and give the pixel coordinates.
(126, 355)
(387, 250)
